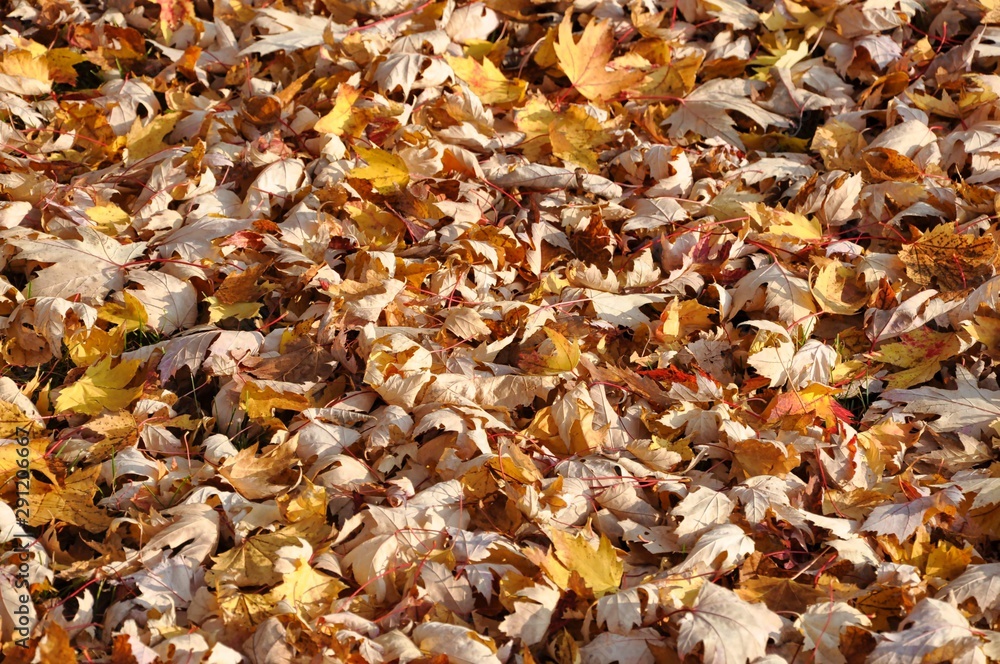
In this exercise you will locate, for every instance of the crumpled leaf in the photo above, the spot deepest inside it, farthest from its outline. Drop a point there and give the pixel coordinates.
(822, 626)
(260, 476)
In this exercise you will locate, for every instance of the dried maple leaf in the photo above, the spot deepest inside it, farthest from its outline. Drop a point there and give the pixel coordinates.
(949, 261)
(303, 361)
(90, 267)
(102, 386)
(788, 293)
(722, 547)
(822, 625)
(439, 273)
(932, 628)
(730, 630)
(903, 519)
(599, 568)
(118, 431)
(885, 164)
(981, 583)
(968, 408)
(385, 170)
(261, 476)
(700, 510)
(704, 112)
(780, 594)
(488, 82)
(55, 646)
(70, 502)
(587, 63)
(458, 644)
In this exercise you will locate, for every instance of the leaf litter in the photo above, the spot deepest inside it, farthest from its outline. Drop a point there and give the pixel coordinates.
(518, 332)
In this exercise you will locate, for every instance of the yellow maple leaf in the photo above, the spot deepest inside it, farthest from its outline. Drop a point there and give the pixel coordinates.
(764, 457)
(10, 460)
(13, 419)
(919, 353)
(599, 568)
(306, 507)
(102, 386)
(586, 63)
(261, 402)
(534, 119)
(340, 118)
(947, 561)
(836, 288)
(812, 401)
(132, 314)
(565, 355)
(481, 48)
(553, 356)
(386, 171)
(109, 219)
(24, 73)
(573, 135)
(72, 502)
(61, 62)
(240, 311)
(146, 140)
(781, 222)
(679, 319)
(251, 562)
(488, 82)
(87, 346)
(303, 589)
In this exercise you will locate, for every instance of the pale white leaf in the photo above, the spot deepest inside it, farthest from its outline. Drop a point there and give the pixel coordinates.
(731, 630)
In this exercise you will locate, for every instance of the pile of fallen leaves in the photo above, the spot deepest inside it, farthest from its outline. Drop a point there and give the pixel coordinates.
(375, 331)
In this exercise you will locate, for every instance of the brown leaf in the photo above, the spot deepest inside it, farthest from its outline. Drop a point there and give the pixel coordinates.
(261, 476)
(594, 244)
(856, 643)
(240, 286)
(302, 361)
(782, 594)
(54, 647)
(887, 165)
(949, 261)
